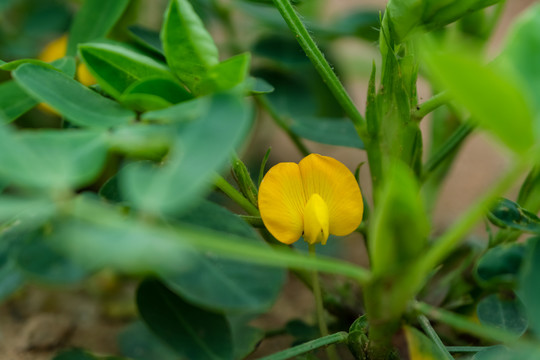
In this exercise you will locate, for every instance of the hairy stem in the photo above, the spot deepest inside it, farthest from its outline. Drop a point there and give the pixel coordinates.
(430, 105)
(321, 65)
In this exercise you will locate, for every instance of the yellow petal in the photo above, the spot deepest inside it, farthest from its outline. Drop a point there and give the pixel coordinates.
(316, 220)
(84, 75)
(54, 50)
(282, 201)
(338, 188)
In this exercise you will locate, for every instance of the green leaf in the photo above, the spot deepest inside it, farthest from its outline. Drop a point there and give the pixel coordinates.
(507, 313)
(261, 86)
(147, 141)
(219, 283)
(529, 291)
(400, 225)
(493, 98)
(508, 214)
(189, 48)
(41, 262)
(501, 352)
(522, 53)
(146, 38)
(500, 265)
(225, 75)
(154, 94)
(93, 21)
(35, 210)
(116, 66)
(184, 112)
(190, 166)
(138, 343)
(245, 337)
(51, 158)
(329, 131)
(420, 346)
(14, 101)
(363, 24)
(13, 65)
(193, 332)
(101, 236)
(79, 104)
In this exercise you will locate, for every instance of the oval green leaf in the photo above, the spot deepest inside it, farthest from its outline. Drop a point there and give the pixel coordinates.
(14, 101)
(508, 214)
(116, 66)
(507, 313)
(500, 265)
(79, 104)
(192, 332)
(189, 49)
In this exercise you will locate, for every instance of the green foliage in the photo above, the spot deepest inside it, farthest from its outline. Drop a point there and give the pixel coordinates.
(189, 48)
(94, 21)
(193, 332)
(122, 175)
(76, 102)
(116, 67)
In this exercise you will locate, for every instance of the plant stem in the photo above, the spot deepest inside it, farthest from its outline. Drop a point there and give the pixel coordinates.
(330, 350)
(267, 105)
(235, 195)
(321, 65)
(465, 349)
(446, 243)
(254, 221)
(428, 329)
(308, 346)
(430, 105)
(449, 146)
(462, 323)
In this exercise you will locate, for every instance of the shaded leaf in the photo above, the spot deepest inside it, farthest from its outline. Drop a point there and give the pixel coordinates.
(420, 346)
(148, 39)
(501, 264)
(330, 131)
(529, 291)
(94, 20)
(138, 343)
(507, 313)
(225, 75)
(191, 331)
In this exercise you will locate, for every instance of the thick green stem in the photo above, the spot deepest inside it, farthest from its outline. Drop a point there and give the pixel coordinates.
(428, 329)
(235, 195)
(430, 105)
(270, 109)
(321, 65)
(308, 346)
(330, 350)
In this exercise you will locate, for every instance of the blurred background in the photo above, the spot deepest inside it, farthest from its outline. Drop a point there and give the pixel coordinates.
(27, 26)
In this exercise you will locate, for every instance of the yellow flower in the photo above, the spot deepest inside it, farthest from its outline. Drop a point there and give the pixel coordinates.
(56, 49)
(315, 198)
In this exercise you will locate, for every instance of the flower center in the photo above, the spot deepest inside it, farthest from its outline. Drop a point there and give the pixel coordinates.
(316, 220)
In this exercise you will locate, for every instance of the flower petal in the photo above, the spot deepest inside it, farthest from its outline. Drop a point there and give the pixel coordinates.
(337, 186)
(282, 201)
(316, 220)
